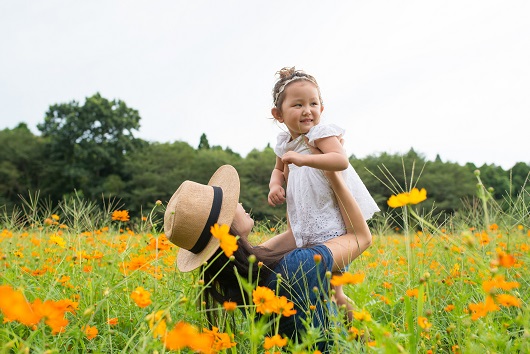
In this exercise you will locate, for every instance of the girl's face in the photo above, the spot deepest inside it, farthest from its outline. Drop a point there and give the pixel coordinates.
(242, 222)
(301, 107)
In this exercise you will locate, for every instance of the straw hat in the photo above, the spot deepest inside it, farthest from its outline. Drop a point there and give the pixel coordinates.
(193, 209)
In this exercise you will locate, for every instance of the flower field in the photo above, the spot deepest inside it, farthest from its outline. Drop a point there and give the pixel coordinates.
(115, 288)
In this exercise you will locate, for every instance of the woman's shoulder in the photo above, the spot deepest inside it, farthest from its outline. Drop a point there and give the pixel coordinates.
(321, 130)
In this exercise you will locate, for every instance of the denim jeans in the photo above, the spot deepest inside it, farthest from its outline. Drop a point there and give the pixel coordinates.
(304, 282)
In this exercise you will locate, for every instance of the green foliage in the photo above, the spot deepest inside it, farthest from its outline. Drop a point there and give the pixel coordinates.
(21, 163)
(87, 143)
(90, 150)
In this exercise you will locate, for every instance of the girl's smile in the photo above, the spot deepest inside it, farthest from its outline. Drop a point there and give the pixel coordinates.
(301, 108)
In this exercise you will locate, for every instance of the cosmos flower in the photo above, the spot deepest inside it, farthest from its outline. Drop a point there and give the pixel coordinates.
(275, 341)
(263, 298)
(141, 297)
(228, 243)
(347, 278)
(415, 196)
(120, 215)
(90, 332)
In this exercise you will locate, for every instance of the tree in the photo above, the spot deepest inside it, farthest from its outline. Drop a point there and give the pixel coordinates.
(87, 144)
(21, 162)
(203, 143)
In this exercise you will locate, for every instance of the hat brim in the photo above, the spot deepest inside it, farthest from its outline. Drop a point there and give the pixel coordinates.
(227, 178)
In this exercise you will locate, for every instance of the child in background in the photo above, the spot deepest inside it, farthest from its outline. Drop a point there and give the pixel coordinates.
(312, 209)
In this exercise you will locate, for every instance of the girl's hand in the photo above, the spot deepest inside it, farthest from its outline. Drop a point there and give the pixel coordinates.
(294, 158)
(276, 195)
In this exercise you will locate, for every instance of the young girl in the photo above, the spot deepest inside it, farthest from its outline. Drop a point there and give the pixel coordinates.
(312, 208)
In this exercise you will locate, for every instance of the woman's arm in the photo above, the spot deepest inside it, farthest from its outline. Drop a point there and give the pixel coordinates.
(358, 238)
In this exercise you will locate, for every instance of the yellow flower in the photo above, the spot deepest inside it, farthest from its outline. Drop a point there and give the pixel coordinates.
(424, 323)
(58, 240)
(141, 297)
(228, 243)
(415, 196)
(362, 316)
(157, 322)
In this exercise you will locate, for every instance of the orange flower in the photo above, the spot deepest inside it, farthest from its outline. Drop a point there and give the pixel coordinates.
(184, 335)
(275, 341)
(53, 312)
(263, 298)
(90, 332)
(317, 258)
(229, 306)
(505, 260)
(498, 282)
(481, 309)
(424, 323)
(228, 243)
(412, 292)
(221, 341)
(284, 307)
(112, 321)
(449, 308)
(120, 215)
(347, 278)
(508, 300)
(141, 297)
(15, 307)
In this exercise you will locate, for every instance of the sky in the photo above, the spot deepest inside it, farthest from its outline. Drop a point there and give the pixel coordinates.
(448, 78)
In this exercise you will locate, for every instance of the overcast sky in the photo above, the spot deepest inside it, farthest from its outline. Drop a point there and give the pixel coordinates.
(443, 77)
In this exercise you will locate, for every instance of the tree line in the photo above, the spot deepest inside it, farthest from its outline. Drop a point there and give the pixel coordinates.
(91, 150)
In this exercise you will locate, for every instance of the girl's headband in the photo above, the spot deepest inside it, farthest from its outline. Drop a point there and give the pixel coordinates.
(287, 82)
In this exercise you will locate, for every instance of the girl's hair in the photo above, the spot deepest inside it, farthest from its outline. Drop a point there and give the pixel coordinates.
(220, 273)
(288, 75)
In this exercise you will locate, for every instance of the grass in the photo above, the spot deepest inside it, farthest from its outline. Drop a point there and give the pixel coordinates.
(461, 287)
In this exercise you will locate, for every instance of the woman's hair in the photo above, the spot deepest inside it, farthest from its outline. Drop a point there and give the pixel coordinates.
(220, 273)
(288, 75)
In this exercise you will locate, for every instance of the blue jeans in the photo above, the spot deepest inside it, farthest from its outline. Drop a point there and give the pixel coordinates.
(305, 284)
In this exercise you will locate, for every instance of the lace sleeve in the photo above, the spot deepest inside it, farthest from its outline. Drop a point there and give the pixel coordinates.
(323, 131)
(281, 143)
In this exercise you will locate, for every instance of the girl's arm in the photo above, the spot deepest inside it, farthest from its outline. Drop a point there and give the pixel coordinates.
(276, 190)
(358, 238)
(331, 158)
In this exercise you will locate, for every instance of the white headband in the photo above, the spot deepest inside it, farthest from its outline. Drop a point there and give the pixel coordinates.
(287, 82)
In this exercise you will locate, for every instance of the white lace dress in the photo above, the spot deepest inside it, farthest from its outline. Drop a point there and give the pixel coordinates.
(312, 208)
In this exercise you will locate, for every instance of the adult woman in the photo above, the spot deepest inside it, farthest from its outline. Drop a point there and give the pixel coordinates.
(194, 208)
